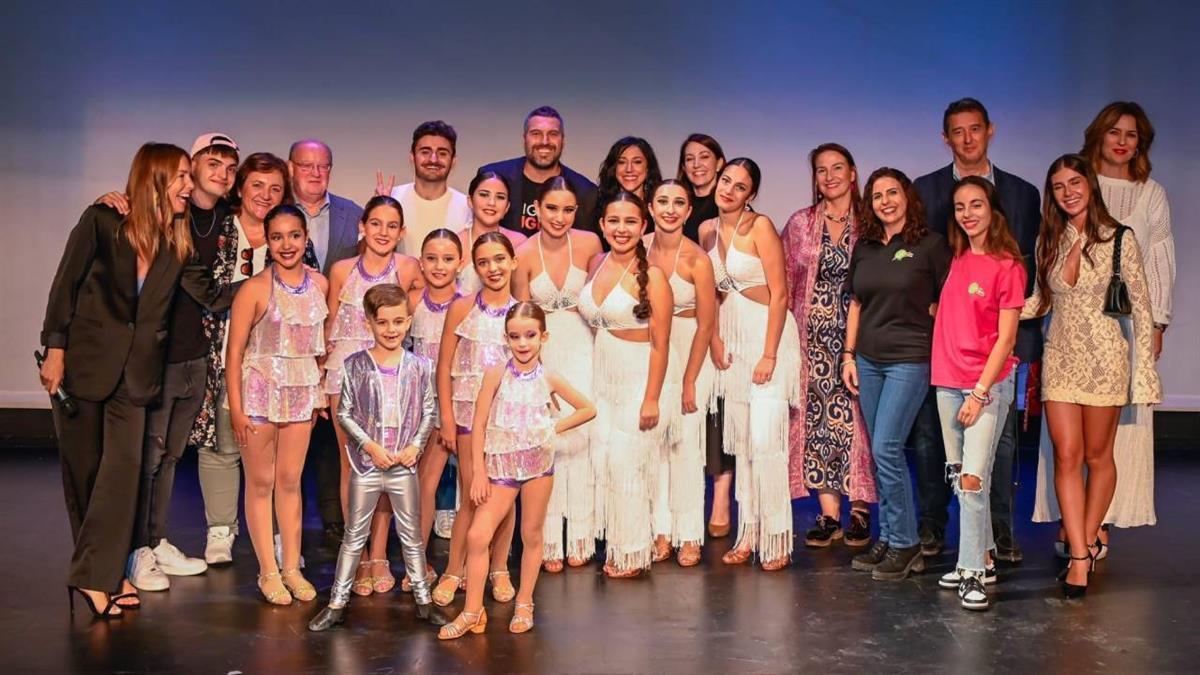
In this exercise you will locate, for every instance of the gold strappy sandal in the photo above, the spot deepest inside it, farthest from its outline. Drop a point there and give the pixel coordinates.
(363, 584)
(521, 623)
(447, 586)
(279, 597)
(385, 582)
(465, 622)
(302, 590)
(502, 587)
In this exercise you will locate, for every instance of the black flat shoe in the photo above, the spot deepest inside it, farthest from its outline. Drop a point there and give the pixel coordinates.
(327, 618)
(432, 614)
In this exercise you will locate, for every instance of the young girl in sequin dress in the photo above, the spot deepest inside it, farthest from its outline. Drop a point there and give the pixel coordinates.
(679, 501)
(472, 342)
(636, 381)
(441, 255)
(276, 335)
(381, 229)
(514, 456)
(559, 252)
(488, 194)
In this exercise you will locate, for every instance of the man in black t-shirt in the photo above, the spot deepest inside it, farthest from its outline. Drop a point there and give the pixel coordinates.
(544, 139)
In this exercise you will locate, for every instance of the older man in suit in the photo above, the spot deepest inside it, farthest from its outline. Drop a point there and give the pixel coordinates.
(333, 229)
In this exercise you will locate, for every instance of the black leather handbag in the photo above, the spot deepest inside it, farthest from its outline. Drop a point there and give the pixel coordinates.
(1116, 298)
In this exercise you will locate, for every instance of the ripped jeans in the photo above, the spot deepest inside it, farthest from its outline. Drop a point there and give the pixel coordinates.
(972, 451)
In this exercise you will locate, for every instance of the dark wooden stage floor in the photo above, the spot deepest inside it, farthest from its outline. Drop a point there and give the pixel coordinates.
(818, 616)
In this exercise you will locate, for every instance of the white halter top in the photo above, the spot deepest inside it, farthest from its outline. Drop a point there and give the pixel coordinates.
(549, 297)
(615, 312)
(683, 292)
(739, 270)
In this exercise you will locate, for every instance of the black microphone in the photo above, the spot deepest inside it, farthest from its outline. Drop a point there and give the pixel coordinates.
(64, 400)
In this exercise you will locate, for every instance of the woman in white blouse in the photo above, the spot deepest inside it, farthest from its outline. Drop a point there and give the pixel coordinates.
(1117, 144)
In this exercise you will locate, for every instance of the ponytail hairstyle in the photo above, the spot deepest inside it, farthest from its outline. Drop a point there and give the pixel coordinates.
(443, 233)
(285, 210)
(554, 185)
(641, 311)
(683, 183)
(526, 310)
(151, 214)
(492, 238)
(488, 175)
(378, 201)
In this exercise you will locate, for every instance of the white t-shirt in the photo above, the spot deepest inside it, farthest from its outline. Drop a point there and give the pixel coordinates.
(258, 260)
(422, 216)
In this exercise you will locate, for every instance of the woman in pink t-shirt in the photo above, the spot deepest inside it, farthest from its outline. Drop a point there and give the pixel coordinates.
(973, 368)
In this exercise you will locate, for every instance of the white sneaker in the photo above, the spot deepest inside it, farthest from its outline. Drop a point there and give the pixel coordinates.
(144, 572)
(172, 561)
(952, 579)
(279, 554)
(443, 521)
(219, 549)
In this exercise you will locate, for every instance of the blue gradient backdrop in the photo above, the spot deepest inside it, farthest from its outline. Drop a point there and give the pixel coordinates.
(84, 84)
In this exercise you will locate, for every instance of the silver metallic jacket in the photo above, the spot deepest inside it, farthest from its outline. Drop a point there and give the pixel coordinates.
(360, 410)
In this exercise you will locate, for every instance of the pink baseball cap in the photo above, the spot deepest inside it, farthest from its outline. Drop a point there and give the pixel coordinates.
(205, 141)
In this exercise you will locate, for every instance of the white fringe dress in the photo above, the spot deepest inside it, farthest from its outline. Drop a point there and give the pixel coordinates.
(679, 496)
(756, 415)
(624, 458)
(568, 352)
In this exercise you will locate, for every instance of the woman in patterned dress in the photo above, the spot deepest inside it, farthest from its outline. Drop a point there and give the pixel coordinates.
(828, 448)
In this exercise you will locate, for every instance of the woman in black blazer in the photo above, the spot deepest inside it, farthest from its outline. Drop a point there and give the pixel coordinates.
(105, 337)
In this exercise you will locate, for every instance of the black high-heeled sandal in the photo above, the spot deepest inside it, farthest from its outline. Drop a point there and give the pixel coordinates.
(105, 613)
(1073, 591)
(1101, 550)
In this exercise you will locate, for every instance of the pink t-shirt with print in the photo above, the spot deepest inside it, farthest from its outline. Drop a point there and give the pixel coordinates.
(968, 317)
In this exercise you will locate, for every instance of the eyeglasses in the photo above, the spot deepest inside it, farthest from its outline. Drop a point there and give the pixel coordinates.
(309, 167)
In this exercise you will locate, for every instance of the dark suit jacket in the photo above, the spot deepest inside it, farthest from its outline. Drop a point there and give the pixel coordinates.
(513, 171)
(343, 231)
(107, 328)
(1022, 207)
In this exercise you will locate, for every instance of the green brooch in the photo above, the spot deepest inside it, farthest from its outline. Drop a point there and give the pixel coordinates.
(901, 255)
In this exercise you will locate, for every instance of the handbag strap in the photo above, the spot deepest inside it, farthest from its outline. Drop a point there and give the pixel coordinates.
(1116, 271)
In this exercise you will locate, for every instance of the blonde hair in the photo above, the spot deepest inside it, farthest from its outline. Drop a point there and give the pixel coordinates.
(151, 214)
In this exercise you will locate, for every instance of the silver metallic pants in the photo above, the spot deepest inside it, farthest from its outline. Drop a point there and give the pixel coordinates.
(400, 485)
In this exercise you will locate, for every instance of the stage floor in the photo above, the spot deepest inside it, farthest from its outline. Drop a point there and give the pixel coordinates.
(817, 616)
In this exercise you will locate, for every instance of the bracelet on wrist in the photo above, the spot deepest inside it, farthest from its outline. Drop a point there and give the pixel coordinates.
(982, 398)
(848, 362)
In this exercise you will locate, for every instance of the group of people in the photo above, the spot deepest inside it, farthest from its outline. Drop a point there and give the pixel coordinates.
(232, 304)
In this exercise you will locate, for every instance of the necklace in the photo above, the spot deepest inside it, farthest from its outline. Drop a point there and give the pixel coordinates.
(211, 226)
(842, 219)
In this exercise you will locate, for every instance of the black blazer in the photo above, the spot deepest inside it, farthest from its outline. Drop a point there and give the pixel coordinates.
(513, 171)
(107, 328)
(1022, 207)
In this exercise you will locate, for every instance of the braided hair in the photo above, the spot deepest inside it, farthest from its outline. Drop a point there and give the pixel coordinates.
(641, 311)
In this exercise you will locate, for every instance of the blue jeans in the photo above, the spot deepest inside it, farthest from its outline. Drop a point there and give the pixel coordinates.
(972, 450)
(891, 394)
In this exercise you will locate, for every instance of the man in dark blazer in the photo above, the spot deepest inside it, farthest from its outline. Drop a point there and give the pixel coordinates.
(967, 131)
(333, 230)
(544, 140)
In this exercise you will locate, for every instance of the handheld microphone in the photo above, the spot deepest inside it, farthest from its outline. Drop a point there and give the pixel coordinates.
(64, 400)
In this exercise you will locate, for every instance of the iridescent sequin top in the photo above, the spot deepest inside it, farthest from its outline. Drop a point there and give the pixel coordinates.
(281, 380)
(350, 332)
(481, 345)
(520, 427)
(429, 319)
(393, 407)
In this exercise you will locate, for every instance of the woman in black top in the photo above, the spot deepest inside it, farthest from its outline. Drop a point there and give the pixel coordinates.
(700, 162)
(105, 333)
(896, 275)
(631, 166)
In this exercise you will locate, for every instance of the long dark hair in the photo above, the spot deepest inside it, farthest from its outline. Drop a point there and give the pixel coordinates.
(855, 193)
(641, 311)
(1055, 224)
(609, 185)
(869, 225)
(999, 241)
(701, 139)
